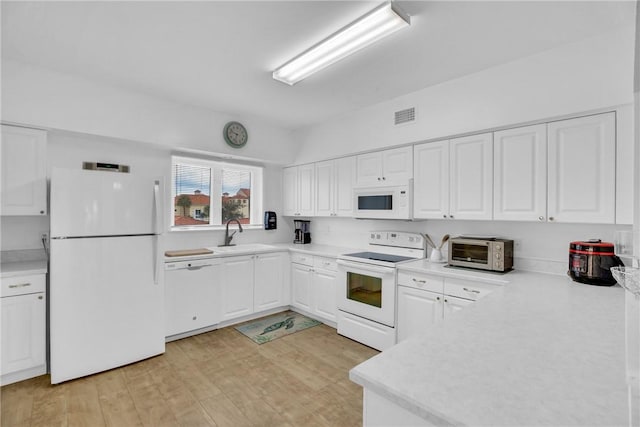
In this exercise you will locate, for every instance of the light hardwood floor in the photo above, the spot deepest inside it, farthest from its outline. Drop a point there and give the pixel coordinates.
(220, 378)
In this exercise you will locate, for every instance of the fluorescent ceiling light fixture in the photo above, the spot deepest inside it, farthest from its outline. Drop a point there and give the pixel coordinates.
(382, 21)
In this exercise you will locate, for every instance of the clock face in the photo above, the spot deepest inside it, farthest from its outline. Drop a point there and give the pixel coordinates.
(235, 134)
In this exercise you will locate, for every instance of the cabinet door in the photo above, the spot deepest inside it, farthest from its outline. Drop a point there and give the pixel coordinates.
(520, 174)
(369, 169)
(397, 165)
(290, 191)
(417, 310)
(301, 279)
(23, 332)
(192, 298)
(471, 177)
(24, 171)
(453, 304)
(306, 190)
(237, 286)
(325, 188)
(269, 281)
(325, 302)
(582, 161)
(345, 173)
(431, 180)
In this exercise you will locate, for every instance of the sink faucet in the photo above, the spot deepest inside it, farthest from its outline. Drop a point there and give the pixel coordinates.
(227, 237)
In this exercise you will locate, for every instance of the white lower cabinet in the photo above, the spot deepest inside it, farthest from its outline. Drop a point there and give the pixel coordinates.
(252, 283)
(269, 290)
(23, 328)
(424, 300)
(313, 286)
(417, 309)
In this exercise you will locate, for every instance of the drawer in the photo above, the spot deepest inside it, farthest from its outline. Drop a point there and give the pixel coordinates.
(20, 285)
(325, 263)
(421, 281)
(468, 289)
(303, 259)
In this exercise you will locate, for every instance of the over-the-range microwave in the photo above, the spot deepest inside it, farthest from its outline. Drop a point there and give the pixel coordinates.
(393, 202)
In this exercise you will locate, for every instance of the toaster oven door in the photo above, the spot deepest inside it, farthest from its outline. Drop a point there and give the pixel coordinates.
(470, 253)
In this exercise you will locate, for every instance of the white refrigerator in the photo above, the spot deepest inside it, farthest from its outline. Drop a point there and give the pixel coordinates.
(106, 293)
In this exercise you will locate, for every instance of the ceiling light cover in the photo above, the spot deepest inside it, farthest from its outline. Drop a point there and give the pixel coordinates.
(382, 21)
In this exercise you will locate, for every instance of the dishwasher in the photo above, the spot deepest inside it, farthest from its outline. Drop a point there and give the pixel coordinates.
(192, 295)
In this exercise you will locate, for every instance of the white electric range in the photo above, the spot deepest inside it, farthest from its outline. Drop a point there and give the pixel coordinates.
(367, 286)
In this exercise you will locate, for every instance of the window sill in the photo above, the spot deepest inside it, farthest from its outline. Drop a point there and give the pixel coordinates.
(233, 227)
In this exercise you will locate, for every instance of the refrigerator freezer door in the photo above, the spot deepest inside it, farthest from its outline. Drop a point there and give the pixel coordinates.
(106, 310)
(99, 203)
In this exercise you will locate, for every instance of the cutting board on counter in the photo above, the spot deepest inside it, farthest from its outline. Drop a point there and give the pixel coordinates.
(188, 252)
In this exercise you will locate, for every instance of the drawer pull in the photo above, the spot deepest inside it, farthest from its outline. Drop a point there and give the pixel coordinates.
(418, 281)
(19, 285)
(471, 290)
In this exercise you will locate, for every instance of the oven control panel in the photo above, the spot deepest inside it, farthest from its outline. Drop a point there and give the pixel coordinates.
(399, 239)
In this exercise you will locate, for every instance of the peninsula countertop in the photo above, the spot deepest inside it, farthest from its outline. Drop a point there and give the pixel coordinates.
(543, 351)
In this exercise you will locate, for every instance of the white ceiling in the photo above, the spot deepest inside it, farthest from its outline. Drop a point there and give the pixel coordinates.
(220, 55)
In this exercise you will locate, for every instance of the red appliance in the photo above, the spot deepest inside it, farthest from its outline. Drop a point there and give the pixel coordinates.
(590, 262)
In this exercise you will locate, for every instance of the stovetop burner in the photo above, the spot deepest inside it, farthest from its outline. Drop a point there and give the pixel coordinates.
(375, 256)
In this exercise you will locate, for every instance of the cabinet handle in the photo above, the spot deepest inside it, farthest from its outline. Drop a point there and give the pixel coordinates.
(384, 178)
(451, 216)
(541, 218)
(471, 290)
(39, 296)
(378, 178)
(418, 281)
(41, 212)
(19, 285)
(444, 216)
(446, 300)
(550, 218)
(438, 298)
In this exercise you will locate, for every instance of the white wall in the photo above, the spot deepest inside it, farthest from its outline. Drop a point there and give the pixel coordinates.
(583, 76)
(538, 246)
(69, 150)
(48, 99)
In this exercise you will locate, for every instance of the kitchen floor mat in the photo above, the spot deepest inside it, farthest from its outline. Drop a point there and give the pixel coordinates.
(276, 326)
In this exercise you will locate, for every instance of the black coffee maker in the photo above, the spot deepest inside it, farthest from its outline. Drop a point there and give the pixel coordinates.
(302, 233)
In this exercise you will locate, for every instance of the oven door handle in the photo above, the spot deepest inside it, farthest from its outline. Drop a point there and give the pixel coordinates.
(368, 267)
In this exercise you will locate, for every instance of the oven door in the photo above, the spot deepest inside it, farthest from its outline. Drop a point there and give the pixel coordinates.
(367, 291)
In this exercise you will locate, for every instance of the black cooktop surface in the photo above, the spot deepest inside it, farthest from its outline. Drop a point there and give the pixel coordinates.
(375, 256)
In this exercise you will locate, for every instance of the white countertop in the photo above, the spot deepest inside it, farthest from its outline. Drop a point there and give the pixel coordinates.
(312, 249)
(23, 263)
(544, 351)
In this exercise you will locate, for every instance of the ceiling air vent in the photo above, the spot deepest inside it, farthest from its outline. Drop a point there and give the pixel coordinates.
(405, 116)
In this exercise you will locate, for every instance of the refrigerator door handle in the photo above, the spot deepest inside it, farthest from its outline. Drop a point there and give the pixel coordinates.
(156, 259)
(158, 206)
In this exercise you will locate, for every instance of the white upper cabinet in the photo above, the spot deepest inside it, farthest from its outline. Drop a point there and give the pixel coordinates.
(471, 177)
(582, 169)
(298, 187)
(520, 174)
(325, 188)
(334, 182)
(24, 171)
(431, 180)
(454, 178)
(388, 167)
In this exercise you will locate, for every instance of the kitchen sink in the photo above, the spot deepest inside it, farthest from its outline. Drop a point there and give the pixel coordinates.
(249, 247)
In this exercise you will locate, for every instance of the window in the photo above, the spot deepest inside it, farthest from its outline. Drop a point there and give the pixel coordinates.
(207, 193)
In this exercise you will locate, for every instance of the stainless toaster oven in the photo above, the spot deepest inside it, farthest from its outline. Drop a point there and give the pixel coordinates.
(484, 253)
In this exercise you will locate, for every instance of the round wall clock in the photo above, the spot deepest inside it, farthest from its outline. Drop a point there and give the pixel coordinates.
(235, 134)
